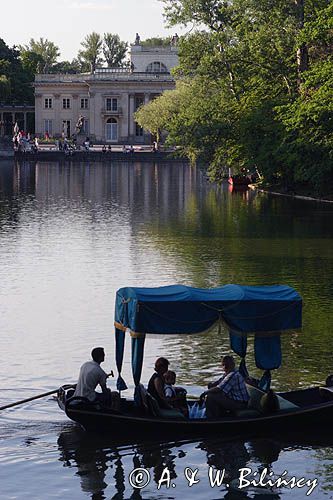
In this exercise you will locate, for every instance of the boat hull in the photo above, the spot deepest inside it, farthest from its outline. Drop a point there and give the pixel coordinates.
(308, 419)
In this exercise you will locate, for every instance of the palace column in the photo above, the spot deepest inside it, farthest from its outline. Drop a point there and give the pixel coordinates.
(131, 124)
(38, 114)
(146, 135)
(57, 125)
(92, 117)
(75, 112)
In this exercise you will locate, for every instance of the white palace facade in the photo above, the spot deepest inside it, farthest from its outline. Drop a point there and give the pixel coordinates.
(106, 98)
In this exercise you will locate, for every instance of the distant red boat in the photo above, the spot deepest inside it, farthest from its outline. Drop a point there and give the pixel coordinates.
(240, 180)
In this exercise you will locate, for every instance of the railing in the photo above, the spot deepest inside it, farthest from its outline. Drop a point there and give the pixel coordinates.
(112, 70)
(112, 76)
(118, 111)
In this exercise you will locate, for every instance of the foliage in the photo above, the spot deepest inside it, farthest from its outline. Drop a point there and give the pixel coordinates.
(157, 114)
(47, 51)
(15, 81)
(254, 88)
(70, 67)
(156, 42)
(114, 50)
(90, 55)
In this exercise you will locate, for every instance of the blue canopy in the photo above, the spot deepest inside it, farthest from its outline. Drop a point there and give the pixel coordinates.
(179, 309)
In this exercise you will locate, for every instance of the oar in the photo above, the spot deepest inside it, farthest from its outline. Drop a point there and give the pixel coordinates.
(43, 395)
(29, 399)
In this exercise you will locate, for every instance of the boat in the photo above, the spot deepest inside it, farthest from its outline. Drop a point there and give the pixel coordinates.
(241, 181)
(266, 312)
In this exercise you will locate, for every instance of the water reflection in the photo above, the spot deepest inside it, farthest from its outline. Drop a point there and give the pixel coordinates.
(71, 234)
(103, 466)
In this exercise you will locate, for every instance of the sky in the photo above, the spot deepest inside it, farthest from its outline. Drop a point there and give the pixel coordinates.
(67, 22)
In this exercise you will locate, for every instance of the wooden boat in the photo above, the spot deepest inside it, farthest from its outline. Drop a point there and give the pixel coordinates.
(181, 310)
(302, 410)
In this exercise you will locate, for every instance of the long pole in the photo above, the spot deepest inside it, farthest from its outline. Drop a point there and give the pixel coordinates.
(41, 395)
(29, 399)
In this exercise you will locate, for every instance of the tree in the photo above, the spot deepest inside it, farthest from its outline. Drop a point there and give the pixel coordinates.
(32, 63)
(155, 115)
(259, 88)
(91, 53)
(4, 87)
(156, 42)
(15, 80)
(114, 50)
(47, 51)
(70, 67)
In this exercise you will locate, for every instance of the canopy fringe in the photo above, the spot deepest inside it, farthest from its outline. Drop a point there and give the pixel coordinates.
(120, 326)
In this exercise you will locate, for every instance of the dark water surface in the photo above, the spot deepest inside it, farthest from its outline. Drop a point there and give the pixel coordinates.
(70, 236)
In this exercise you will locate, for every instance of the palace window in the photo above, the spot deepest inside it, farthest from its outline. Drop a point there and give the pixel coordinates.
(138, 102)
(66, 103)
(84, 103)
(111, 104)
(138, 130)
(157, 67)
(111, 130)
(48, 103)
(48, 127)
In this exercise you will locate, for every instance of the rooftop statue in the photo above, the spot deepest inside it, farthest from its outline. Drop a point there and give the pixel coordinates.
(175, 40)
(137, 39)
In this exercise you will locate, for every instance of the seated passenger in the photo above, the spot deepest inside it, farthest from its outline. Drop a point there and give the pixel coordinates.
(156, 383)
(91, 375)
(227, 393)
(176, 396)
(170, 380)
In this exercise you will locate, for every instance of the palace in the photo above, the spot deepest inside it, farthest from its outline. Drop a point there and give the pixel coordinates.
(105, 99)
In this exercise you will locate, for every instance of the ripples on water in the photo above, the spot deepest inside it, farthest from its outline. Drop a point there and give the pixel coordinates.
(70, 236)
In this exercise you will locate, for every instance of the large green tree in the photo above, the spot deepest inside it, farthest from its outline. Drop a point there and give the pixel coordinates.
(46, 50)
(15, 81)
(90, 54)
(258, 87)
(114, 50)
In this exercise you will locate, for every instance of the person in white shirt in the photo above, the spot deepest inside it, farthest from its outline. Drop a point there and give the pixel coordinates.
(92, 375)
(175, 396)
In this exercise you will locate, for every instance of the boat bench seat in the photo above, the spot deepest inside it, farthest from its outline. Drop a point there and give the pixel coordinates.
(157, 411)
(150, 406)
(255, 400)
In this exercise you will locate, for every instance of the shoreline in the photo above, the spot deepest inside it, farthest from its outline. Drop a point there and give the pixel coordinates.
(98, 155)
(295, 195)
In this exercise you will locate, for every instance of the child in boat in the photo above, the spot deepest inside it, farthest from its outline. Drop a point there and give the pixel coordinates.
(175, 396)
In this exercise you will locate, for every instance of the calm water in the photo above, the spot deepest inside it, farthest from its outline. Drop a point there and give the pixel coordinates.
(70, 236)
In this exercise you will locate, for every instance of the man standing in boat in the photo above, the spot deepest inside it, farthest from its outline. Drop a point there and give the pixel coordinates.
(92, 375)
(227, 393)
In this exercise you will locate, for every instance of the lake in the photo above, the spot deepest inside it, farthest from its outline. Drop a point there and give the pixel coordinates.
(71, 234)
